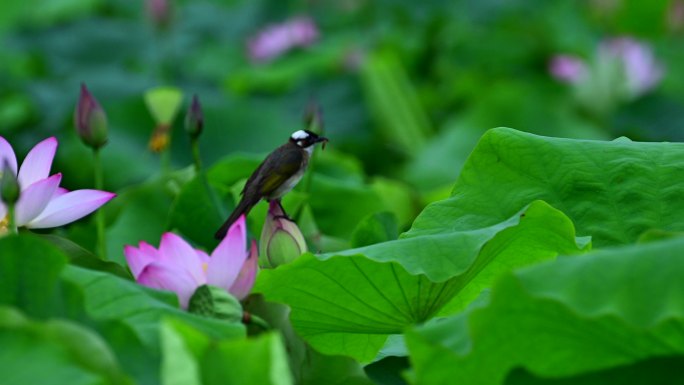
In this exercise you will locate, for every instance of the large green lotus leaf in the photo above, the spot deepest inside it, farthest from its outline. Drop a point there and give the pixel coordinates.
(53, 352)
(81, 257)
(652, 371)
(260, 360)
(612, 191)
(29, 274)
(308, 366)
(447, 251)
(108, 297)
(566, 318)
(349, 304)
(179, 360)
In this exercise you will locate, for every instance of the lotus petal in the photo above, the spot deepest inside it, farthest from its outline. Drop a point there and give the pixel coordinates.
(245, 280)
(35, 198)
(229, 256)
(7, 154)
(69, 207)
(137, 260)
(165, 277)
(178, 254)
(37, 164)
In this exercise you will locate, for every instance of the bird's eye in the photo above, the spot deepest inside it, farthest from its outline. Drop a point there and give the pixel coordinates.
(300, 143)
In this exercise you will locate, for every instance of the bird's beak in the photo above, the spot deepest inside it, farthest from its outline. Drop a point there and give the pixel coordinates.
(322, 139)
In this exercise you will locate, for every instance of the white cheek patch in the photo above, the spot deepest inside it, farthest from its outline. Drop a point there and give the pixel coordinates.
(299, 135)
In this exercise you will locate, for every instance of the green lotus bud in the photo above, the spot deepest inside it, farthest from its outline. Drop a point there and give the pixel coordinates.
(215, 302)
(194, 119)
(9, 185)
(281, 240)
(90, 120)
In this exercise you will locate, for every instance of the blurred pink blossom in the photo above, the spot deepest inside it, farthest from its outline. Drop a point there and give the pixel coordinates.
(178, 267)
(567, 68)
(276, 39)
(42, 203)
(621, 66)
(675, 16)
(159, 11)
(641, 69)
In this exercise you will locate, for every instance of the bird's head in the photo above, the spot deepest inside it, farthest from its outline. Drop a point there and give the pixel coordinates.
(306, 139)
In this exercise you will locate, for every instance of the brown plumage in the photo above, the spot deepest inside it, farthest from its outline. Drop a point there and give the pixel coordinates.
(275, 176)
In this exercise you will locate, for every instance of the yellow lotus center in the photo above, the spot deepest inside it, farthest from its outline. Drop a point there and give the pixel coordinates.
(204, 267)
(160, 139)
(4, 225)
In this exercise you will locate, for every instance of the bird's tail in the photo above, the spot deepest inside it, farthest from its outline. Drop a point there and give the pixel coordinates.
(242, 208)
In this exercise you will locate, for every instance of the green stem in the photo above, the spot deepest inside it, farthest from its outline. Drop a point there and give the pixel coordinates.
(165, 159)
(258, 321)
(10, 215)
(99, 215)
(196, 155)
(307, 181)
(203, 177)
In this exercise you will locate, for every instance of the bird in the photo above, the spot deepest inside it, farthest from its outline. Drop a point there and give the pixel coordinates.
(276, 175)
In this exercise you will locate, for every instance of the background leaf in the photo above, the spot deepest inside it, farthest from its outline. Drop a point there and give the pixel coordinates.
(612, 191)
(308, 366)
(261, 360)
(29, 275)
(111, 298)
(54, 352)
(626, 308)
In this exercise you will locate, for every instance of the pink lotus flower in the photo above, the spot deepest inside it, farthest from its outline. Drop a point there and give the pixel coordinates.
(42, 203)
(642, 71)
(623, 67)
(567, 69)
(178, 267)
(277, 39)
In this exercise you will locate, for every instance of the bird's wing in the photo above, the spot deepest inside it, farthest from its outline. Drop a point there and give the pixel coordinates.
(255, 174)
(283, 165)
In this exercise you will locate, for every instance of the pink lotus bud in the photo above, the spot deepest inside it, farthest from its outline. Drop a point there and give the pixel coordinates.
(90, 120)
(281, 240)
(194, 118)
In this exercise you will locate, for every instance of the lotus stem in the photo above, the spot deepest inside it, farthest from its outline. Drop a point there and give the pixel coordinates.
(101, 244)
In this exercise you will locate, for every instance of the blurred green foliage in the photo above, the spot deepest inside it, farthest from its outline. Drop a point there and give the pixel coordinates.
(408, 90)
(404, 86)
